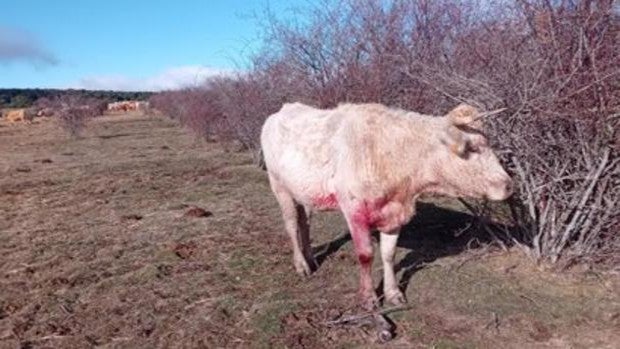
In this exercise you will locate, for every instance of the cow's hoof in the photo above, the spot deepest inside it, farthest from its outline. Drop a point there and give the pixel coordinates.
(395, 297)
(302, 268)
(384, 335)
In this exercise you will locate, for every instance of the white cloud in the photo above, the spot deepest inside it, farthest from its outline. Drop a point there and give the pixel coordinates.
(169, 79)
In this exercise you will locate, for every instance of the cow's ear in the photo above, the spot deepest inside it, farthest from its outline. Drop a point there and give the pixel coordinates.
(462, 115)
(455, 140)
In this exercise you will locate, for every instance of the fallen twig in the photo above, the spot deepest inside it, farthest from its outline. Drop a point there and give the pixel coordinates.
(50, 337)
(359, 319)
(494, 322)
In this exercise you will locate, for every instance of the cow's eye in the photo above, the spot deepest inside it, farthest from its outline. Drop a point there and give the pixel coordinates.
(473, 148)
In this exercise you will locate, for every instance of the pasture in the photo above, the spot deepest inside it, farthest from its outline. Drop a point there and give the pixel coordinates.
(138, 235)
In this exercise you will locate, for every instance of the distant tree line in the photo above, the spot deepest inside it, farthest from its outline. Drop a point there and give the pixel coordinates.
(24, 98)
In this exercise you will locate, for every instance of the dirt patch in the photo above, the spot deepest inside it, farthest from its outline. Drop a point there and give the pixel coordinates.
(197, 212)
(138, 235)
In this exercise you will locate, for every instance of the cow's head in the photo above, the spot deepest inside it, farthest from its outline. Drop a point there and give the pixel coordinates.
(468, 166)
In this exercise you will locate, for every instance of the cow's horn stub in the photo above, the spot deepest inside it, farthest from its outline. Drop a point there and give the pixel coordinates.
(463, 114)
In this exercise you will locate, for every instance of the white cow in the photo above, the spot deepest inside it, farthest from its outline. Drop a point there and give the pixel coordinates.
(372, 162)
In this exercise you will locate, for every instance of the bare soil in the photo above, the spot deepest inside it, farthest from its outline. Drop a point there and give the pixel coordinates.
(137, 235)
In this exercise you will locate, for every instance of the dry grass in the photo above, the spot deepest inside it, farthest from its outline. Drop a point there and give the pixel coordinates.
(100, 246)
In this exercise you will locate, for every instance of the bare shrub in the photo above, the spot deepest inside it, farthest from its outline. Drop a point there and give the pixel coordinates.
(559, 84)
(569, 181)
(226, 109)
(73, 111)
(245, 103)
(196, 108)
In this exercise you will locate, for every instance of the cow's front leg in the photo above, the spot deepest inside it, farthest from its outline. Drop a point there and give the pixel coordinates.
(362, 242)
(388, 248)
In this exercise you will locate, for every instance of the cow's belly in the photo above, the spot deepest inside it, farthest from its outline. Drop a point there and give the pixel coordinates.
(315, 195)
(308, 177)
(324, 201)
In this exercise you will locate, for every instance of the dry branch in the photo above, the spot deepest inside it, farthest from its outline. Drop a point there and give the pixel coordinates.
(362, 319)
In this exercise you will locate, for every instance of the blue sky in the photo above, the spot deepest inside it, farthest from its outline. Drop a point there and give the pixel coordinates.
(128, 45)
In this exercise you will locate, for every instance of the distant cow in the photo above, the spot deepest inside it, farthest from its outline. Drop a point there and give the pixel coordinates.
(15, 115)
(142, 106)
(127, 106)
(45, 112)
(20, 115)
(123, 106)
(372, 162)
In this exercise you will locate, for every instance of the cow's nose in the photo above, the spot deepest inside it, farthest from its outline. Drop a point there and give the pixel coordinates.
(505, 184)
(509, 187)
(501, 189)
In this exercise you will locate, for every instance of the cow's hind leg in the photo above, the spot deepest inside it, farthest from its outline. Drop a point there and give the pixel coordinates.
(304, 215)
(291, 213)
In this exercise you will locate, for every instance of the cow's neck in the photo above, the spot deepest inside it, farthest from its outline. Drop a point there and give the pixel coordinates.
(426, 176)
(432, 181)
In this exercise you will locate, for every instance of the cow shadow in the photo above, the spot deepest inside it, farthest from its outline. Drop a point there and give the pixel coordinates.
(434, 232)
(327, 249)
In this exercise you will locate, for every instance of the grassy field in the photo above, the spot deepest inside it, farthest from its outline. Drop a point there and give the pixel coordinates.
(139, 236)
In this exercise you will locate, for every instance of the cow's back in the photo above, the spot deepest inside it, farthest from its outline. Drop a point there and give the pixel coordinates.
(297, 147)
(379, 147)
